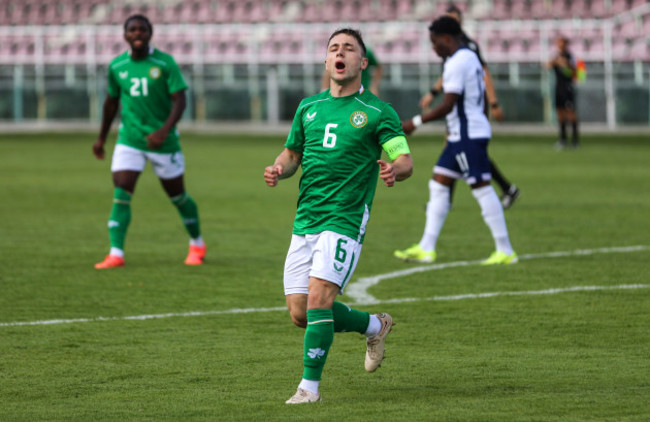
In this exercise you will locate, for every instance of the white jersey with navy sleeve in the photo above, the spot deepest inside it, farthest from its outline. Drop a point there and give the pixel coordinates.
(463, 75)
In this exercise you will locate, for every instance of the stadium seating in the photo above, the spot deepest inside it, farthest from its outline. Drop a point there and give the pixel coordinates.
(241, 31)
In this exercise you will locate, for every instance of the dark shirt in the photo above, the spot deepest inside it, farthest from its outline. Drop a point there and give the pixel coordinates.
(471, 44)
(564, 75)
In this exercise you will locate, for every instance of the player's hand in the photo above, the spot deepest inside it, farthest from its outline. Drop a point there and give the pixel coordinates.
(98, 149)
(426, 101)
(155, 140)
(408, 127)
(386, 173)
(497, 113)
(272, 174)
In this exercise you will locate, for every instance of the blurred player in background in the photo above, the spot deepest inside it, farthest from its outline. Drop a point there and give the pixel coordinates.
(510, 192)
(465, 154)
(337, 136)
(564, 67)
(151, 88)
(370, 76)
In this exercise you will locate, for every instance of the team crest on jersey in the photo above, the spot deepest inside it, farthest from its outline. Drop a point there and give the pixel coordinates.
(124, 74)
(359, 119)
(154, 72)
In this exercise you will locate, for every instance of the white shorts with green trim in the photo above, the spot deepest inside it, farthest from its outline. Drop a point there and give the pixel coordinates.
(165, 165)
(329, 256)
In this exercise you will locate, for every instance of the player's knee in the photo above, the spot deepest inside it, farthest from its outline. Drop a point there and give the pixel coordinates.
(299, 319)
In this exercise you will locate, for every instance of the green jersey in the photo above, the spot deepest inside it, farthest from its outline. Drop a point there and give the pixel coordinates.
(366, 75)
(144, 87)
(340, 139)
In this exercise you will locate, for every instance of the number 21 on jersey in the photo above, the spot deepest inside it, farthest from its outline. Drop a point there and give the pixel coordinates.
(139, 87)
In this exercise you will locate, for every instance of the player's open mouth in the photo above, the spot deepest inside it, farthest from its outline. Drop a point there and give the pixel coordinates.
(340, 66)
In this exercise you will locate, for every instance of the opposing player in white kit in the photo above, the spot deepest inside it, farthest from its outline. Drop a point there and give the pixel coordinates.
(337, 137)
(465, 154)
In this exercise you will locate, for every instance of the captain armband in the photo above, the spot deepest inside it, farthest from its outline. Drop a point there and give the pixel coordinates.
(396, 147)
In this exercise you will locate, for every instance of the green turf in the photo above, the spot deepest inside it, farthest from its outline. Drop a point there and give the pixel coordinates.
(571, 356)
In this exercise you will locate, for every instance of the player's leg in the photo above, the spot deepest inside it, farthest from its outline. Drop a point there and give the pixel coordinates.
(126, 166)
(510, 191)
(491, 209)
(446, 171)
(573, 118)
(561, 120)
(170, 169)
(296, 288)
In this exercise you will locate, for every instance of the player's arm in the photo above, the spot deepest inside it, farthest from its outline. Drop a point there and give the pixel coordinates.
(493, 101)
(428, 98)
(448, 102)
(401, 165)
(179, 102)
(111, 105)
(286, 164)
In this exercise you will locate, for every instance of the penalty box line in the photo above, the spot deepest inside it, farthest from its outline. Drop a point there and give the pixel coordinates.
(364, 298)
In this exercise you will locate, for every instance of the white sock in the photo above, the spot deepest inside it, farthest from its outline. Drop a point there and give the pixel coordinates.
(492, 212)
(437, 210)
(117, 252)
(309, 385)
(197, 242)
(374, 326)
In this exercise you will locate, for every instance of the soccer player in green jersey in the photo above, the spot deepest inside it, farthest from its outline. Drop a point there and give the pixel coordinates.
(151, 88)
(337, 137)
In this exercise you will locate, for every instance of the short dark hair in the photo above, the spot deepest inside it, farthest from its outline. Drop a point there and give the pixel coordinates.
(445, 25)
(452, 8)
(352, 32)
(138, 17)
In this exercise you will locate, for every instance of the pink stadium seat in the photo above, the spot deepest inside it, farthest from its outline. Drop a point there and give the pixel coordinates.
(540, 9)
(619, 6)
(310, 12)
(22, 48)
(224, 11)
(388, 10)
(249, 12)
(501, 9)
(519, 9)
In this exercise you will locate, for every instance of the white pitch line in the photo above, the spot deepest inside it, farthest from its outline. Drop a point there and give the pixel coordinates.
(359, 290)
(368, 299)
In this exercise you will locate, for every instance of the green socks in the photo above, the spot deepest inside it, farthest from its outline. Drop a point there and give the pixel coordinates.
(319, 336)
(120, 218)
(347, 319)
(189, 213)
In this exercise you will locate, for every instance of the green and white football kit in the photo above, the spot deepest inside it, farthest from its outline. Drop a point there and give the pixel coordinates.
(144, 87)
(340, 139)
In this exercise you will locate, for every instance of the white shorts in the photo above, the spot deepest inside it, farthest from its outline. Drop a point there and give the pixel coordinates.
(329, 256)
(165, 165)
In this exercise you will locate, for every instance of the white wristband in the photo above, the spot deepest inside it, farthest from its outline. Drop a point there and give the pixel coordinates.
(417, 120)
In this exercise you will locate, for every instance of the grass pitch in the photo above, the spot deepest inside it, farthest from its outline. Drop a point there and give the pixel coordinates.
(71, 352)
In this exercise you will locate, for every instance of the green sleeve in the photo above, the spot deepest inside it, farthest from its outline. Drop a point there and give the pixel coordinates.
(175, 80)
(389, 126)
(113, 86)
(296, 138)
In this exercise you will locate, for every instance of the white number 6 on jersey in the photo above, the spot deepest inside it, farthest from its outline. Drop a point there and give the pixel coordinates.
(330, 138)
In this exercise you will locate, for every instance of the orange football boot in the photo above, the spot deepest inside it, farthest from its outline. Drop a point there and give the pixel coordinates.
(111, 261)
(196, 255)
